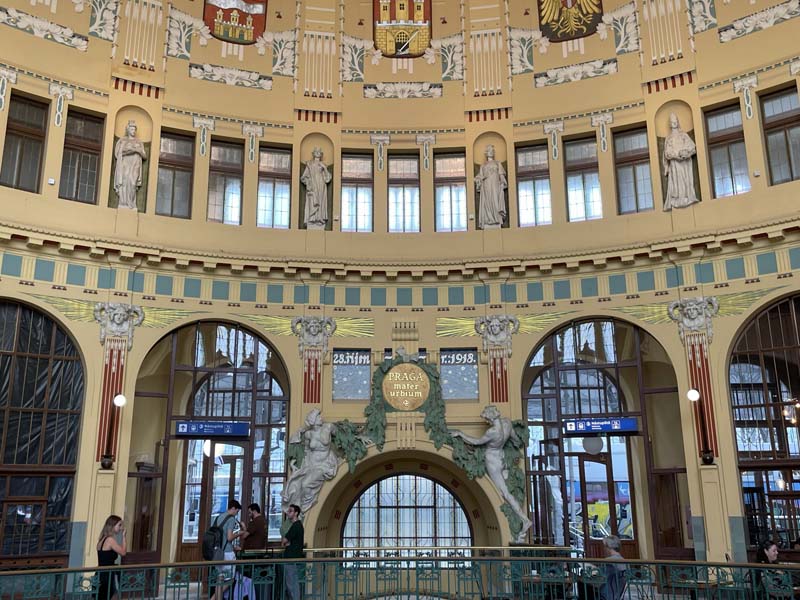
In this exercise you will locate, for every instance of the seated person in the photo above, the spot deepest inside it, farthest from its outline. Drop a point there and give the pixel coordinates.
(614, 585)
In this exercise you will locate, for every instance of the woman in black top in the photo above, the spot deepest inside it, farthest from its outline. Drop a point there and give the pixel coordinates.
(107, 552)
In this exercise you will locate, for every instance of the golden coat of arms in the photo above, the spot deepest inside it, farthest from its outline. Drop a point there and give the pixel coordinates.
(402, 28)
(563, 20)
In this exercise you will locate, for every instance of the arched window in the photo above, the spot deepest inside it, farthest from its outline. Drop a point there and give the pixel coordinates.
(41, 397)
(406, 511)
(590, 374)
(764, 379)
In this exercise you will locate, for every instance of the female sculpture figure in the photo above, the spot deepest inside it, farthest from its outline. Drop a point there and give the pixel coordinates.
(130, 154)
(677, 162)
(320, 462)
(316, 178)
(491, 183)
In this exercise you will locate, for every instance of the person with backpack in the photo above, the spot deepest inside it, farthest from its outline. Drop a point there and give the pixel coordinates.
(218, 545)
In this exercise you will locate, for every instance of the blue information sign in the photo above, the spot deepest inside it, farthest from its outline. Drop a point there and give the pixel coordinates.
(207, 429)
(601, 425)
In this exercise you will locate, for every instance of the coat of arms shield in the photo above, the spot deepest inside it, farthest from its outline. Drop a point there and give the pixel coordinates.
(236, 21)
(402, 28)
(564, 20)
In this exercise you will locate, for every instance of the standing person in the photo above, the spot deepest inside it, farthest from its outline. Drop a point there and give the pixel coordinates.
(107, 552)
(293, 548)
(255, 536)
(227, 522)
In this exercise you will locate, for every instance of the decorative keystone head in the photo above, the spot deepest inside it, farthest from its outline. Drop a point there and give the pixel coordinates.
(496, 331)
(118, 320)
(313, 333)
(694, 315)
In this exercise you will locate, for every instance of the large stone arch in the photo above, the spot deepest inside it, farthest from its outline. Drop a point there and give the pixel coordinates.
(481, 502)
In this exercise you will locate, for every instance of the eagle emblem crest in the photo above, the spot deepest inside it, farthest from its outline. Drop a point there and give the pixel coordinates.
(563, 20)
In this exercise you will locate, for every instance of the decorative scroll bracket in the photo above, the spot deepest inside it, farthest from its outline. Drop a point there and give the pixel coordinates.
(552, 129)
(426, 140)
(602, 122)
(7, 76)
(62, 94)
(253, 133)
(381, 141)
(745, 87)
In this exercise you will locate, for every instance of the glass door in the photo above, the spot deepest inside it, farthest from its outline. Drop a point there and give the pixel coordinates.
(215, 475)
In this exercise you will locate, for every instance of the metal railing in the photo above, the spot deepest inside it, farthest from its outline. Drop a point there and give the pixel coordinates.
(514, 574)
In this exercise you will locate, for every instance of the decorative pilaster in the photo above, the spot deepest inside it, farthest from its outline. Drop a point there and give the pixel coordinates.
(496, 331)
(381, 141)
(253, 133)
(745, 86)
(204, 125)
(313, 346)
(552, 129)
(7, 76)
(693, 316)
(117, 322)
(425, 140)
(602, 122)
(62, 94)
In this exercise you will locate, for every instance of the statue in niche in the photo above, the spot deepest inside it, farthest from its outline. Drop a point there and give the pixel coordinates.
(677, 162)
(319, 463)
(694, 315)
(316, 177)
(494, 440)
(130, 155)
(491, 183)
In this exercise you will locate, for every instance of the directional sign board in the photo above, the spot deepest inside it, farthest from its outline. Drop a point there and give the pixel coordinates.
(618, 425)
(209, 429)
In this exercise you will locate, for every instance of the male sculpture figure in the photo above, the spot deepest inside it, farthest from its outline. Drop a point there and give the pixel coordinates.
(499, 432)
(677, 162)
(316, 178)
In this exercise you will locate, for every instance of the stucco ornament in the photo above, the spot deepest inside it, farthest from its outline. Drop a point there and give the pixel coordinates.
(313, 332)
(763, 19)
(354, 51)
(317, 464)
(678, 167)
(694, 315)
(491, 183)
(316, 178)
(118, 320)
(230, 76)
(42, 28)
(578, 72)
(403, 89)
(521, 44)
(130, 154)
(496, 331)
(500, 431)
(180, 29)
(623, 22)
(451, 49)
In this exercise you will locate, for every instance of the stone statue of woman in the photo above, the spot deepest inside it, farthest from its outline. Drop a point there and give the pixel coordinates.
(130, 155)
(320, 462)
(316, 178)
(677, 162)
(491, 183)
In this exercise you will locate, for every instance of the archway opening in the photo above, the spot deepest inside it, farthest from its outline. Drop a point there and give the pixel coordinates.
(764, 383)
(209, 426)
(601, 401)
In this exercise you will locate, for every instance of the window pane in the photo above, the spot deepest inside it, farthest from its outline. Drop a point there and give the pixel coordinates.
(626, 189)
(166, 178)
(349, 195)
(364, 208)
(233, 197)
(177, 146)
(777, 104)
(729, 119)
(450, 166)
(357, 167)
(794, 150)
(275, 161)
(741, 176)
(266, 199)
(12, 154)
(577, 209)
(720, 169)
(532, 158)
(216, 192)
(283, 194)
(778, 157)
(84, 127)
(527, 207)
(182, 191)
(594, 205)
(69, 174)
(633, 142)
(31, 162)
(226, 155)
(581, 151)
(28, 113)
(644, 187)
(543, 202)
(403, 168)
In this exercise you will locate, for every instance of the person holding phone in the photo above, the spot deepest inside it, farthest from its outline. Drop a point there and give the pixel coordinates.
(108, 549)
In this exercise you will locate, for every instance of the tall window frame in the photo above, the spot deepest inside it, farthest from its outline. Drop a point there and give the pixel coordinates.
(632, 166)
(175, 175)
(80, 163)
(404, 192)
(357, 214)
(26, 137)
(450, 191)
(273, 209)
(764, 384)
(727, 155)
(780, 118)
(41, 435)
(225, 182)
(582, 174)
(534, 196)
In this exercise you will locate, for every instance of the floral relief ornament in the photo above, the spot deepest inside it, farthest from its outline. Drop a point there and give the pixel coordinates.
(451, 49)
(403, 90)
(180, 28)
(230, 76)
(42, 28)
(702, 15)
(586, 70)
(522, 43)
(284, 50)
(763, 19)
(625, 25)
(354, 51)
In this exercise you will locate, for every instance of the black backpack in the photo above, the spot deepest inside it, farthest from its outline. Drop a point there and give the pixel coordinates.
(214, 542)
